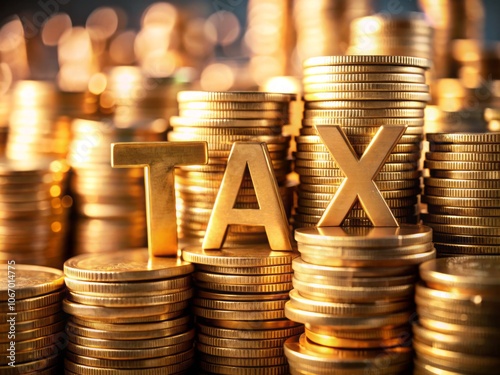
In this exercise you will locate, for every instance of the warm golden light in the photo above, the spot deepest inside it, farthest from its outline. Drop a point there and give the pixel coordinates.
(217, 77)
(54, 28)
(102, 23)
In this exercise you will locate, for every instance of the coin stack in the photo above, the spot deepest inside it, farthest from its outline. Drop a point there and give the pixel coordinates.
(323, 25)
(34, 211)
(128, 314)
(109, 202)
(405, 35)
(463, 192)
(354, 291)
(361, 93)
(220, 119)
(32, 335)
(458, 326)
(238, 306)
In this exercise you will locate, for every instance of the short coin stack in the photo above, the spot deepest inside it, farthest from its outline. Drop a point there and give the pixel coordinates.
(109, 202)
(361, 93)
(405, 35)
(458, 328)
(34, 211)
(32, 327)
(128, 314)
(239, 309)
(354, 291)
(463, 192)
(220, 119)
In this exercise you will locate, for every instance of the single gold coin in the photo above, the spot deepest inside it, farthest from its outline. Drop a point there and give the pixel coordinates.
(461, 193)
(226, 131)
(452, 238)
(233, 96)
(28, 325)
(239, 352)
(463, 156)
(336, 342)
(467, 230)
(239, 305)
(468, 147)
(355, 282)
(136, 327)
(232, 114)
(461, 220)
(41, 366)
(249, 325)
(251, 256)
(461, 202)
(242, 279)
(366, 87)
(367, 77)
(466, 175)
(245, 288)
(263, 270)
(234, 106)
(363, 113)
(461, 184)
(35, 302)
(367, 60)
(130, 265)
(464, 138)
(212, 368)
(358, 69)
(240, 334)
(466, 249)
(41, 312)
(44, 331)
(114, 289)
(243, 362)
(231, 123)
(88, 370)
(26, 281)
(238, 343)
(367, 95)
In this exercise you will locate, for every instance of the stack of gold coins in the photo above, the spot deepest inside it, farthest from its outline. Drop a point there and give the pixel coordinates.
(463, 192)
(323, 26)
(405, 35)
(109, 202)
(361, 93)
(128, 314)
(220, 119)
(354, 291)
(458, 326)
(34, 211)
(32, 330)
(239, 312)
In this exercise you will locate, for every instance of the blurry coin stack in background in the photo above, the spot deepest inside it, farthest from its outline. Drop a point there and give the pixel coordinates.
(405, 35)
(323, 26)
(361, 93)
(458, 326)
(34, 211)
(220, 119)
(354, 291)
(128, 314)
(40, 120)
(462, 192)
(239, 309)
(110, 203)
(33, 315)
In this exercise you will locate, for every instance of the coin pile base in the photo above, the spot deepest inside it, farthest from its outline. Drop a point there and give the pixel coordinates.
(239, 309)
(32, 337)
(462, 193)
(354, 292)
(458, 328)
(129, 314)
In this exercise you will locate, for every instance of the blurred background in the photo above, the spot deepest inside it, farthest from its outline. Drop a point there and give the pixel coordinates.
(76, 76)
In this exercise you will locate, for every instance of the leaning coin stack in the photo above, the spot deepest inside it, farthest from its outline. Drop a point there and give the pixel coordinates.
(220, 119)
(34, 211)
(405, 35)
(109, 202)
(463, 192)
(239, 312)
(32, 328)
(361, 93)
(354, 291)
(458, 327)
(128, 314)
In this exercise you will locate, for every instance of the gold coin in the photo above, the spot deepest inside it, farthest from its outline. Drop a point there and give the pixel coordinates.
(363, 113)
(376, 104)
(336, 342)
(241, 297)
(239, 305)
(238, 343)
(249, 324)
(246, 288)
(130, 265)
(469, 230)
(364, 253)
(134, 328)
(177, 137)
(231, 123)
(255, 256)
(212, 368)
(233, 106)
(330, 164)
(90, 370)
(217, 114)
(466, 175)
(264, 270)
(226, 131)
(243, 362)
(453, 238)
(461, 220)
(239, 352)
(369, 77)
(249, 334)
(367, 60)
(359, 139)
(464, 138)
(359, 148)
(37, 323)
(40, 366)
(129, 354)
(462, 193)
(111, 313)
(29, 281)
(357, 69)
(366, 87)
(35, 302)
(461, 202)
(354, 282)
(461, 184)
(41, 312)
(361, 126)
(242, 279)
(463, 156)
(233, 96)
(487, 333)
(469, 148)
(465, 249)
(128, 288)
(367, 95)
(128, 365)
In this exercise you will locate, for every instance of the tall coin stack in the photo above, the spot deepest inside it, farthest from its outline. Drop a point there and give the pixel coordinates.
(109, 202)
(220, 119)
(361, 93)
(239, 309)
(32, 328)
(354, 291)
(406, 35)
(128, 314)
(458, 325)
(463, 192)
(34, 211)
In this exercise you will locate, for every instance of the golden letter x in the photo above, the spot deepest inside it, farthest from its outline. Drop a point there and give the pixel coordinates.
(360, 175)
